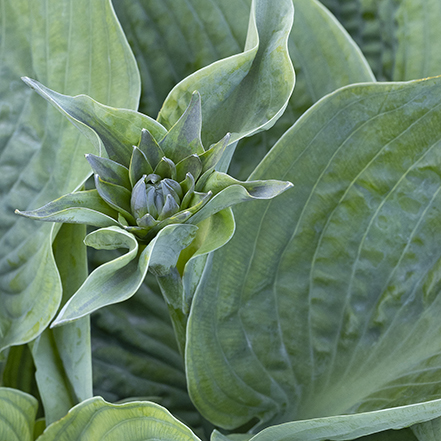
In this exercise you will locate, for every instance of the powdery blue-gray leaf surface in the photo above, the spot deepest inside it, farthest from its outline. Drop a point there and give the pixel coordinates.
(326, 299)
(41, 154)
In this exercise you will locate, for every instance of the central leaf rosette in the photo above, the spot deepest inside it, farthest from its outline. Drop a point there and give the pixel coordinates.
(161, 183)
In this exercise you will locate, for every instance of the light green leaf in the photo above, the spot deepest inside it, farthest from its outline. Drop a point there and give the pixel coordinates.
(325, 301)
(18, 411)
(41, 155)
(82, 207)
(349, 427)
(325, 58)
(98, 420)
(62, 356)
(229, 191)
(400, 39)
(247, 92)
(120, 278)
(118, 130)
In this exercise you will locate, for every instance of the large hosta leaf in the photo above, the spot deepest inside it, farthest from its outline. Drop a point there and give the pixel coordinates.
(326, 299)
(399, 38)
(41, 154)
(98, 420)
(17, 415)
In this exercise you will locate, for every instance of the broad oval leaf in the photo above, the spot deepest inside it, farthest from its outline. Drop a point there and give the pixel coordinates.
(18, 412)
(326, 299)
(98, 420)
(42, 155)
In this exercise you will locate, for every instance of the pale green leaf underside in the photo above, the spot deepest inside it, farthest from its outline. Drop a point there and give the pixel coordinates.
(247, 92)
(17, 416)
(97, 420)
(41, 153)
(329, 303)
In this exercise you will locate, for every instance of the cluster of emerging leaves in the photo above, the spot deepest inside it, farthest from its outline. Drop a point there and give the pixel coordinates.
(318, 320)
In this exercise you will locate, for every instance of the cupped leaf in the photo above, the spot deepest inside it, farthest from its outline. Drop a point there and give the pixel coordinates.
(120, 278)
(325, 58)
(82, 207)
(98, 420)
(42, 155)
(117, 129)
(349, 427)
(325, 301)
(248, 92)
(18, 412)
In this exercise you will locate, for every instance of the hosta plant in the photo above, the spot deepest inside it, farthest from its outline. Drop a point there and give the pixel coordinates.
(312, 315)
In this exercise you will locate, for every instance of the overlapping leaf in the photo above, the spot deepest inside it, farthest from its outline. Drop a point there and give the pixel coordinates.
(42, 156)
(329, 303)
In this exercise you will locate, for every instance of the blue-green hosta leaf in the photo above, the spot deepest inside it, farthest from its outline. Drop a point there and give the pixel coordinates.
(349, 427)
(325, 301)
(114, 128)
(41, 154)
(82, 207)
(399, 39)
(97, 420)
(247, 92)
(120, 278)
(17, 417)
